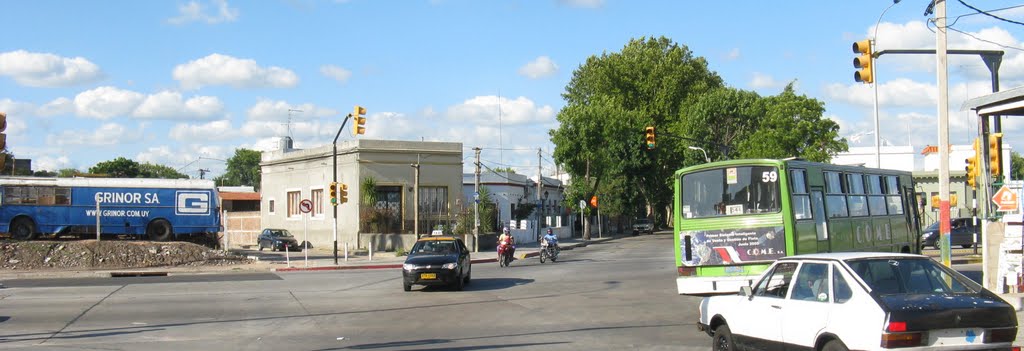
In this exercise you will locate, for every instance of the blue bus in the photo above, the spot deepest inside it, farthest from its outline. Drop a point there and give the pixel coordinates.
(157, 209)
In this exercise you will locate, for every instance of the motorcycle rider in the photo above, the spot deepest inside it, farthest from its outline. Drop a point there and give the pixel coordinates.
(506, 237)
(551, 239)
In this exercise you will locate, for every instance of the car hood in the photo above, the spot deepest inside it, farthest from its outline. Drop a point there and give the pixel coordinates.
(943, 311)
(425, 260)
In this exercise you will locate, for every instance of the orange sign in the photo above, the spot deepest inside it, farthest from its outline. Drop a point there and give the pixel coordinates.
(593, 201)
(1006, 199)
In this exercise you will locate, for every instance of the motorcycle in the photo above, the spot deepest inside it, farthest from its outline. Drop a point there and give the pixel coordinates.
(505, 250)
(548, 252)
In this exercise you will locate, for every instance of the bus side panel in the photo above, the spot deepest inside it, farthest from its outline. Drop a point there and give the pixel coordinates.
(130, 210)
(841, 234)
(900, 235)
(806, 237)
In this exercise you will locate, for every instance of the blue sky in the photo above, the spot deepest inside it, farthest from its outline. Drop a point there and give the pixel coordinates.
(184, 83)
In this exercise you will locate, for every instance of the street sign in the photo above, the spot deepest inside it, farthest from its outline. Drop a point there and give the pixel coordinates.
(305, 206)
(583, 205)
(1006, 199)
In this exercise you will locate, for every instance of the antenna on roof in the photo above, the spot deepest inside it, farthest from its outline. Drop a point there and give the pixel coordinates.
(288, 126)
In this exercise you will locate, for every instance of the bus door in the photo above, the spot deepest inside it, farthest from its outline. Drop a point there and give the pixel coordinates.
(820, 218)
(913, 221)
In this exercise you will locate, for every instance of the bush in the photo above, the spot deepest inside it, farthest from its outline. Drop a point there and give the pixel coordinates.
(400, 251)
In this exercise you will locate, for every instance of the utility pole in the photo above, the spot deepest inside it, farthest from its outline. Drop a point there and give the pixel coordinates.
(943, 85)
(476, 204)
(202, 173)
(416, 198)
(583, 215)
(540, 186)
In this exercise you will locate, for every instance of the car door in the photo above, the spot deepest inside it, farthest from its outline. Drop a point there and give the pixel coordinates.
(263, 239)
(760, 325)
(464, 260)
(806, 311)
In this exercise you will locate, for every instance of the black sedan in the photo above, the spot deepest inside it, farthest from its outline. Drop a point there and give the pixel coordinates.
(278, 240)
(962, 232)
(437, 260)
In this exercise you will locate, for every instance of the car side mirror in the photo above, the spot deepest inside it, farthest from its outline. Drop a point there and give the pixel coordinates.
(745, 291)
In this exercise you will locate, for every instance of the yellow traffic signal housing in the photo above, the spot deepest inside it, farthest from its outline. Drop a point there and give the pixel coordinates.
(343, 196)
(865, 62)
(649, 137)
(973, 168)
(334, 193)
(358, 120)
(936, 200)
(995, 158)
(3, 127)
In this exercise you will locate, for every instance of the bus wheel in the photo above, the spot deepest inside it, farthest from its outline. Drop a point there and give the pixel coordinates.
(159, 230)
(23, 229)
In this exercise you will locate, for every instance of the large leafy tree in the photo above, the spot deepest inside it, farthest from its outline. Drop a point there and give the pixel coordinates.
(124, 168)
(609, 100)
(149, 170)
(243, 169)
(792, 126)
(1016, 166)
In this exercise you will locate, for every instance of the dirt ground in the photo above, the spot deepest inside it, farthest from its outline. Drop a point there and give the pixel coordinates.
(108, 254)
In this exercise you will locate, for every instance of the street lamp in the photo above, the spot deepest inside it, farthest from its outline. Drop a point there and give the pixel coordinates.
(706, 159)
(874, 86)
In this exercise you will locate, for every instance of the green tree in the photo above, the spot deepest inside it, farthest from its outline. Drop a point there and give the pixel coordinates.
(118, 168)
(149, 170)
(242, 169)
(44, 173)
(609, 101)
(505, 170)
(1016, 166)
(792, 126)
(68, 172)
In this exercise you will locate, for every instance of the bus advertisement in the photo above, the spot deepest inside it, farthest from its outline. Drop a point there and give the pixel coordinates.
(733, 218)
(158, 209)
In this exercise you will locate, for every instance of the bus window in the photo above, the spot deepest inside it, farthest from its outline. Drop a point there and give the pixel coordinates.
(855, 195)
(801, 201)
(893, 201)
(835, 201)
(876, 201)
(731, 191)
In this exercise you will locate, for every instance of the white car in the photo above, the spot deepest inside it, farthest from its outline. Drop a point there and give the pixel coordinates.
(859, 301)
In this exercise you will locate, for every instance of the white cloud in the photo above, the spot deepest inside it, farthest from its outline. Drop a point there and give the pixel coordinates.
(593, 4)
(107, 134)
(202, 132)
(764, 81)
(394, 126)
(733, 54)
(169, 105)
(47, 70)
(14, 109)
(895, 93)
(106, 102)
(195, 11)
(268, 110)
(217, 69)
(484, 110)
(337, 73)
(59, 106)
(50, 163)
(541, 67)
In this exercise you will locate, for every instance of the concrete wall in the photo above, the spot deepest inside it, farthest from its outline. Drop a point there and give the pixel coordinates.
(241, 228)
(388, 162)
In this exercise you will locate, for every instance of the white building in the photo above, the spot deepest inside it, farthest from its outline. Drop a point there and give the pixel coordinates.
(510, 190)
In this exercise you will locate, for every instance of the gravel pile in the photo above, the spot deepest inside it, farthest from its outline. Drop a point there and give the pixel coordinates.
(111, 254)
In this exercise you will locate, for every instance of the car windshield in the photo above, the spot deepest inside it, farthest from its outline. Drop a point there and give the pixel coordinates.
(932, 227)
(280, 233)
(911, 275)
(643, 221)
(434, 247)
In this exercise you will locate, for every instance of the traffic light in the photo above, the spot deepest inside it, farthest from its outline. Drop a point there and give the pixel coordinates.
(972, 165)
(343, 196)
(358, 120)
(649, 137)
(334, 193)
(865, 62)
(995, 158)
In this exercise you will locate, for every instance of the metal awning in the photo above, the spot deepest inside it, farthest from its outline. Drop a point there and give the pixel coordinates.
(1003, 103)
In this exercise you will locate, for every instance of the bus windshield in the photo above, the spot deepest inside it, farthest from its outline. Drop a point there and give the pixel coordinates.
(731, 191)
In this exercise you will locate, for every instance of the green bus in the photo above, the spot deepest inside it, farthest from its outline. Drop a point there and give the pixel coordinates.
(733, 218)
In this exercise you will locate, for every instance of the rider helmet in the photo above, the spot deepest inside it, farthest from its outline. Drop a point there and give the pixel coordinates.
(549, 230)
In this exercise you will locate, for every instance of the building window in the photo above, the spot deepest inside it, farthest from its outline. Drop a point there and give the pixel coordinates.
(433, 207)
(293, 204)
(318, 202)
(270, 206)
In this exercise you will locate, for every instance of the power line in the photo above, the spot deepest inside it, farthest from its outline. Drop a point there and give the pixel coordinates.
(978, 13)
(988, 14)
(929, 23)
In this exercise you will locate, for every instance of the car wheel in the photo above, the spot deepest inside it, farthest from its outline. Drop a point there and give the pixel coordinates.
(723, 339)
(159, 230)
(260, 244)
(407, 287)
(834, 345)
(459, 284)
(468, 275)
(23, 229)
(966, 246)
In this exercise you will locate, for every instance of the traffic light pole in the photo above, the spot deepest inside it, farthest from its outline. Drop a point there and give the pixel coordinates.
(334, 179)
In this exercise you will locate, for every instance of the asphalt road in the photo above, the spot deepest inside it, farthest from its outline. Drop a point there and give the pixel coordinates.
(609, 296)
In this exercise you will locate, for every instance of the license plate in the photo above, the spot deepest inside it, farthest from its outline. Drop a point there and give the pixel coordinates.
(428, 275)
(955, 336)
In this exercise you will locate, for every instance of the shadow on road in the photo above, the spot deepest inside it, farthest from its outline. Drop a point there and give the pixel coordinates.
(484, 284)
